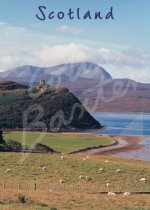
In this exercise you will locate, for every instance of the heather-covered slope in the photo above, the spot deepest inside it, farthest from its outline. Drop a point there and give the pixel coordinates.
(54, 108)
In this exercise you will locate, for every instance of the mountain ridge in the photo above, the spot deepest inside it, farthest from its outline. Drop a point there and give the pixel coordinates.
(73, 71)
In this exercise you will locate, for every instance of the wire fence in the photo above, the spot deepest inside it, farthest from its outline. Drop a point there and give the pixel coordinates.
(53, 187)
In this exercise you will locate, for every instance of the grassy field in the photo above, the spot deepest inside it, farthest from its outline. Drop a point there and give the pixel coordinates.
(64, 142)
(74, 193)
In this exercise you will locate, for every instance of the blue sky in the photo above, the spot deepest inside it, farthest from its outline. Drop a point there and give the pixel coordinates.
(122, 38)
(130, 27)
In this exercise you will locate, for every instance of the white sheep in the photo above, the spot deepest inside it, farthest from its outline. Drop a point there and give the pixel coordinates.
(127, 193)
(81, 177)
(61, 181)
(101, 169)
(8, 170)
(118, 170)
(87, 178)
(50, 190)
(44, 168)
(62, 157)
(107, 161)
(87, 157)
(84, 158)
(111, 193)
(142, 179)
(107, 184)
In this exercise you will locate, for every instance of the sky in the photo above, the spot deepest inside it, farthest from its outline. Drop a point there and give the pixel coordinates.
(121, 45)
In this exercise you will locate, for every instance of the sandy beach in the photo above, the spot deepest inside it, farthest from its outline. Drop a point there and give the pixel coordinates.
(119, 144)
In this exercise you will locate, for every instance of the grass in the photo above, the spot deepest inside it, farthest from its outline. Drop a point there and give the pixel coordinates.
(60, 142)
(74, 193)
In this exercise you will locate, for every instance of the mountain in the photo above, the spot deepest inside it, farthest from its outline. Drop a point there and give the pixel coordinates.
(61, 73)
(116, 95)
(52, 108)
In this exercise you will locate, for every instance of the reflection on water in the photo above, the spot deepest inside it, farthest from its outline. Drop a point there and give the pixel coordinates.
(146, 142)
(129, 124)
(126, 124)
(141, 154)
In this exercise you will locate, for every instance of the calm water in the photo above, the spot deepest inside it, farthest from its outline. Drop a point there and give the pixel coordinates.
(127, 124)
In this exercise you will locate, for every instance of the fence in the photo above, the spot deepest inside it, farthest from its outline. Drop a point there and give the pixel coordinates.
(51, 187)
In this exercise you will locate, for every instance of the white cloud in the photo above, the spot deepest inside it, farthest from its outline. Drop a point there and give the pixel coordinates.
(70, 29)
(59, 54)
(3, 23)
(23, 47)
(6, 28)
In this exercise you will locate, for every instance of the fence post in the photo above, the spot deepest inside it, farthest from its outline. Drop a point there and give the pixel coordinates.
(4, 185)
(34, 187)
(19, 185)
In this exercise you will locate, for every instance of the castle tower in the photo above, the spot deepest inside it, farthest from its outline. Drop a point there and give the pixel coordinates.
(42, 82)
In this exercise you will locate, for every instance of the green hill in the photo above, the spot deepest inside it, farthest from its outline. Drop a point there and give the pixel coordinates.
(47, 107)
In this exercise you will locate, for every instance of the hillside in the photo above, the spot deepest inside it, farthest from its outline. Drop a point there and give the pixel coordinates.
(116, 95)
(53, 109)
(9, 85)
(75, 192)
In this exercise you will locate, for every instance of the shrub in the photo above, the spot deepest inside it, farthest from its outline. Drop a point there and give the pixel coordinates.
(42, 148)
(2, 141)
(2, 148)
(13, 146)
(21, 199)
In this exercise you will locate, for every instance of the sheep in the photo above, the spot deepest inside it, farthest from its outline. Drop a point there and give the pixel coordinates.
(87, 178)
(86, 158)
(107, 184)
(50, 190)
(81, 177)
(62, 157)
(8, 170)
(142, 179)
(107, 161)
(101, 169)
(44, 168)
(127, 193)
(111, 193)
(61, 181)
(118, 170)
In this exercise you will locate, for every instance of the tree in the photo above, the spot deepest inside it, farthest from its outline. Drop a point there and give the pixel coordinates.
(1, 137)
(2, 142)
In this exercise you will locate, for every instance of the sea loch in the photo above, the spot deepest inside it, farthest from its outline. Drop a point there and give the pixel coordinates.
(132, 124)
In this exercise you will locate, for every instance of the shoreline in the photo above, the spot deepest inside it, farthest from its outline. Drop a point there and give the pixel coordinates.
(125, 144)
(120, 112)
(119, 144)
